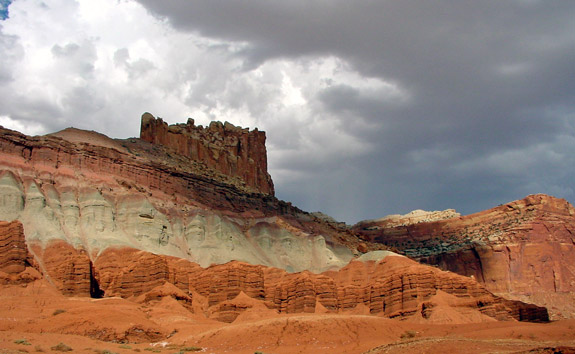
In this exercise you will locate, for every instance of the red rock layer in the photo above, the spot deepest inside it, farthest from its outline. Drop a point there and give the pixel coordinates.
(395, 287)
(13, 250)
(16, 263)
(224, 147)
(67, 268)
(525, 247)
(128, 272)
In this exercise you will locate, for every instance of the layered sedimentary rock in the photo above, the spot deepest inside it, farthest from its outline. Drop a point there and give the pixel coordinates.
(524, 248)
(93, 193)
(135, 219)
(393, 287)
(13, 249)
(129, 272)
(414, 217)
(17, 265)
(231, 150)
(68, 269)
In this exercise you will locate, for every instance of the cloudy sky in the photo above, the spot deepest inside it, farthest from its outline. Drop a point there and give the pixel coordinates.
(370, 107)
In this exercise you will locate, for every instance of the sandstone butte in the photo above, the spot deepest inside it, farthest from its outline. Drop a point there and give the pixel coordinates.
(183, 222)
(224, 147)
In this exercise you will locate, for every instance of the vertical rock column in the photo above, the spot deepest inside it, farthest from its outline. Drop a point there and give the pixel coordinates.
(231, 150)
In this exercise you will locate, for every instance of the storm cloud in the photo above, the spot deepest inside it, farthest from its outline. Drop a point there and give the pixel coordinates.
(370, 107)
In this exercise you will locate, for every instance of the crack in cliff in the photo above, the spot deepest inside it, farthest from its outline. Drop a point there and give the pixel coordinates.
(479, 262)
(95, 291)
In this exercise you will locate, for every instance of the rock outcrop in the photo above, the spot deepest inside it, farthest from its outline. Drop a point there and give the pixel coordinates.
(68, 269)
(13, 249)
(414, 217)
(17, 266)
(231, 150)
(524, 249)
(393, 287)
(94, 192)
(191, 216)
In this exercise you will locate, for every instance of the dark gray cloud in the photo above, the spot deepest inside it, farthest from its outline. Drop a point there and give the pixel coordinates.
(11, 51)
(370, 107)
(491, 96)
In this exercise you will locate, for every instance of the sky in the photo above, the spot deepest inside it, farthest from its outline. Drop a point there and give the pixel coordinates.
(370, 107)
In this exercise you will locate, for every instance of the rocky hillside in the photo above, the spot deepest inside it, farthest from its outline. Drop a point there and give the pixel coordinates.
(395, 286)
(523, 249)
(94, 192)
(188, 213)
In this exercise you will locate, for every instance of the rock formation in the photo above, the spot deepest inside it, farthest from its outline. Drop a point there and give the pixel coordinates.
(414, 217)
(93, 192)
(524, 249)
(16, 263)
(68, 269)
(13, 249)
(392, 287)
(231, 150)
(188, 213)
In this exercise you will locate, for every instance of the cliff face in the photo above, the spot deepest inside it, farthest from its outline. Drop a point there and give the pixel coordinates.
(13, 250)
(93, 192)
(17, 265)
(226, 148)
(129, 218)
(524, 249)
(394, 287)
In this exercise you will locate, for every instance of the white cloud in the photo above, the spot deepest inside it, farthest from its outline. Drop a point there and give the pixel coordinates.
(99, 64)
(28, 128)
(319, 87)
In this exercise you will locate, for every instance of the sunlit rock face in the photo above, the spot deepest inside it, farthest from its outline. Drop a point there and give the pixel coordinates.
(292, 253)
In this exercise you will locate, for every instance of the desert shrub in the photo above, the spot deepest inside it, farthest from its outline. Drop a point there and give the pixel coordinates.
(408, 334)
(22, 341)
(190, 349)
(61, 347)
(58, 311)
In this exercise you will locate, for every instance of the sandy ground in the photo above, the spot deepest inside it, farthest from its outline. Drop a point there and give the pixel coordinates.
(36, 319)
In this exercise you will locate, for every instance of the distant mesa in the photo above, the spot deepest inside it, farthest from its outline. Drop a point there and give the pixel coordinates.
(413, 217)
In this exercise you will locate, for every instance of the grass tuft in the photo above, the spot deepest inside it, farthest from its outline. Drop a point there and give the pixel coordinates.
(408, 334)
(22, 341)
(61, 347)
